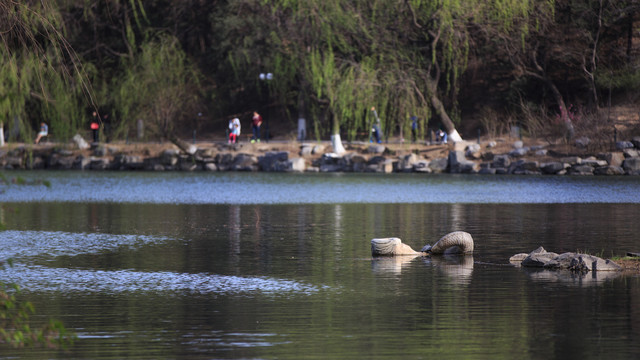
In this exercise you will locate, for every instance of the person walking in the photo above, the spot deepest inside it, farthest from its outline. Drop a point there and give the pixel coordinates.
(234, 130)
(255, 126)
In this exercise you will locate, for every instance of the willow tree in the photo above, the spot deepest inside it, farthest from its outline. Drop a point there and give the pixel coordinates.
(41, 71)
(15, 87)
(32, 51)
(403, 58)
(160, 86)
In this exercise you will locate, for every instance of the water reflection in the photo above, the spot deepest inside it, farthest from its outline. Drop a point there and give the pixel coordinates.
(264, 281)
(457, 269)
(391, 264)
(18, 244)
(234, 233)
(204, 188)
(571, 278)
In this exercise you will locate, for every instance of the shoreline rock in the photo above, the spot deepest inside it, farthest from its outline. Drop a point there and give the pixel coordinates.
(458, 158)
(574, 262)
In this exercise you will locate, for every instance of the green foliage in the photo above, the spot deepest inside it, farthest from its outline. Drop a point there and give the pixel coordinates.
(15, 324)
(159, 86)
(625, 78)
(358, 54)
(332, 59)
(42, 79)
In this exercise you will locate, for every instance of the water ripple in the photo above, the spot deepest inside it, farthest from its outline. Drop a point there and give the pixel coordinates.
(16, 244)
(40, 278)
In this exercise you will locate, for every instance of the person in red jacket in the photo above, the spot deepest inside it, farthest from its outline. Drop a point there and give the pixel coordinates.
(95, 126)
(255, 125)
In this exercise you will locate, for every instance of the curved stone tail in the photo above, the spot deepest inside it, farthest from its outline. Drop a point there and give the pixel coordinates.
(457, 242)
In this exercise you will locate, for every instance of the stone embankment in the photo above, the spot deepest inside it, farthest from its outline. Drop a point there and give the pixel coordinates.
(502, 157)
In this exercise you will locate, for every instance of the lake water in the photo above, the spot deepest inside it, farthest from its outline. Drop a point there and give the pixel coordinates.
(266, 266)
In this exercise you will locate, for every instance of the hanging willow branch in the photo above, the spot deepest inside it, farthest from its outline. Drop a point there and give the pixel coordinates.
(40, 61)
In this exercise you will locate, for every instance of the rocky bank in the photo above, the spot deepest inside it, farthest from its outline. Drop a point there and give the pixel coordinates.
(500, 156)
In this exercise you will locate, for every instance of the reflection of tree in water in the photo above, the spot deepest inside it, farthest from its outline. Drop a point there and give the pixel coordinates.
(338, 225)
(571, 278)
(234, 225)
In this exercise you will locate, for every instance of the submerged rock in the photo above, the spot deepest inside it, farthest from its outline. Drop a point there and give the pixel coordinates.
(566, 261)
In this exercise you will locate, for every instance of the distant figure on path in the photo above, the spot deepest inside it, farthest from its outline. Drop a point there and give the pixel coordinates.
(414, 128)
(442, 136)
(95, 126)
(375, 128)
(234, 130)
(255, 126)
(44, 131)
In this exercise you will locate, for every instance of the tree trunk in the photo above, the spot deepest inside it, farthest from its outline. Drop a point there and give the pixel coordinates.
(564, 112)
(336, 141)
(183, 145)
(438, 107)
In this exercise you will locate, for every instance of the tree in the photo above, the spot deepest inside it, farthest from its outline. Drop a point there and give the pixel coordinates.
(344, 57)
(42, 71)
(160, 86)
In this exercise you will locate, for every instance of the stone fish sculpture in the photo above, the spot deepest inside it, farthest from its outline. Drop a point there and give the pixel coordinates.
(457, 242)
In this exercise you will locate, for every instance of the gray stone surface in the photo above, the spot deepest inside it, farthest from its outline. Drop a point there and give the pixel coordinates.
(244, 162)
(376, 149)
(582, 142)
(631, 165)
(422, 166)
(552, 167)
(519, 152)
(581, 262)
(297, 165)
(609, 170)
(438, 165)
(210, 167)
(630, 153)
(80, 142)
(612, 158)
(540, 258)
(274, 161)
(501, 161)
(458, 163)
(581, 170)
(620, 145)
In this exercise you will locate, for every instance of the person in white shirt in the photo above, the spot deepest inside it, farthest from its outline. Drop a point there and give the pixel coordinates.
(234, 130)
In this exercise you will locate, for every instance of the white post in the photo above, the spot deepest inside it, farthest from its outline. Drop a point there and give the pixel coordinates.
(454, 136)
(1, 133)
(336, 142)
